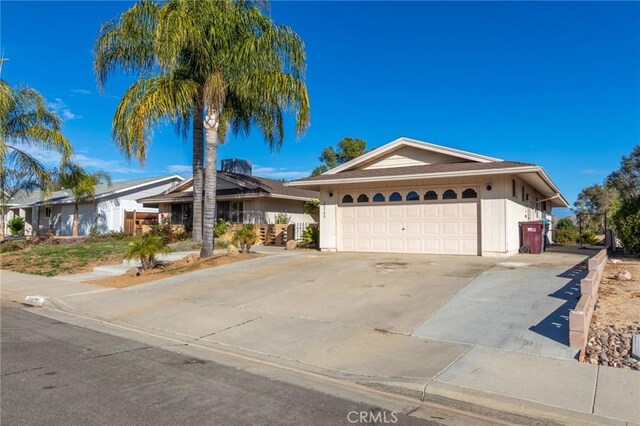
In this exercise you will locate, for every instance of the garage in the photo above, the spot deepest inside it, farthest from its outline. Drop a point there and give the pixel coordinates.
(412, 220)
(410, 196)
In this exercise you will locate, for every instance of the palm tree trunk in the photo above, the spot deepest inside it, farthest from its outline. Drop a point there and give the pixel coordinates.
(210, 176)
(75, 220)
(198, 184)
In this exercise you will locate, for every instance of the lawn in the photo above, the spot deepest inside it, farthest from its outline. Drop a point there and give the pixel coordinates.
(51, 260)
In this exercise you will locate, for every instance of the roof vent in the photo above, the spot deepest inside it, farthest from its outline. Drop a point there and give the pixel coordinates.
(237, 165)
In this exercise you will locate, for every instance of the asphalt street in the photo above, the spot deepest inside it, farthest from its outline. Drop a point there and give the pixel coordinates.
(55, 373)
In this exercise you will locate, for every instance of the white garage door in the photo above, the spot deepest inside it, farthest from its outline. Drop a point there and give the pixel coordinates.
(405, 222)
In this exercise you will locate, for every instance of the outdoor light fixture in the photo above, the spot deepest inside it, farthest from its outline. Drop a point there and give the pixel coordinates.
(489, 187)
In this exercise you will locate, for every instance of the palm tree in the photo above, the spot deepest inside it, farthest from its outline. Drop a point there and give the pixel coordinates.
(25, 121)
(130, 44)
(224, 62)
(82, 185)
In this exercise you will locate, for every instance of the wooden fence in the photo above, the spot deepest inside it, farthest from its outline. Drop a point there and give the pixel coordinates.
(580, 317)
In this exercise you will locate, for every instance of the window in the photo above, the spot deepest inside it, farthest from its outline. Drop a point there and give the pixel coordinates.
(47, 212)
(413, 196)
(469, 193)
(347, 199)
(231, 211)
(363, 198)
(431, 195)
(449, 194)
(395, 196)
(513, 188)
(378, 198)
(522, 192)
(527, 197)
(181, 214)
(544, 206)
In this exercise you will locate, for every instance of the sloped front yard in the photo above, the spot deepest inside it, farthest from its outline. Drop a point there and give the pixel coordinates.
(617, 317)
(56, 259)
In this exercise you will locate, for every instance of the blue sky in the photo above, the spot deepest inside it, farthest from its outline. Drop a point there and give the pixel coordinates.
(557, 84)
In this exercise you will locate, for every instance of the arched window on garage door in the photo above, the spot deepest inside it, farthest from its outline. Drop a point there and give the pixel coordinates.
(347, 199)
(413, 196)
(395, 196)
(469, 193)
(431, 195)
(449, 194)
(363, 198)
(378, 198)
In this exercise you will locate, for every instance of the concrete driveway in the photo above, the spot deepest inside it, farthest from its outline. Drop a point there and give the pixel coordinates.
(520, 305)
(338, 303)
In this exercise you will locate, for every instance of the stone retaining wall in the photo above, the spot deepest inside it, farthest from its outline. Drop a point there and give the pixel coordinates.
(580, 317)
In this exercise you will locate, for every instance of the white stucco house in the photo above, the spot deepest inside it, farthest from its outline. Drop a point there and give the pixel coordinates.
(410, 196)
(240, 196)
(54, 212)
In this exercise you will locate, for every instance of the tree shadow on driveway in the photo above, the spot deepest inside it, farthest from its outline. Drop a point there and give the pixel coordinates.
(555, 326)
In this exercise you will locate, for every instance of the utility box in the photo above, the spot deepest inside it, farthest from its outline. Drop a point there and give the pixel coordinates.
(531, 237)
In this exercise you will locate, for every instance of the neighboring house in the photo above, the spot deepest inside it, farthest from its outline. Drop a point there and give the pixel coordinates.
(241, 198)
(54, 212)
(416, 197)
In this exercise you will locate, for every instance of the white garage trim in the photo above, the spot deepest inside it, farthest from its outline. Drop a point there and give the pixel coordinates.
(423, 220)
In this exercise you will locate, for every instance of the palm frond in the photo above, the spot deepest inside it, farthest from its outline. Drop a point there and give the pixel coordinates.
(149, 102)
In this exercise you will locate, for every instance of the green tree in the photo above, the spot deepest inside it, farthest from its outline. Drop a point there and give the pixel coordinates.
(347, 149)
(627, 224)
(224, 63)
(25, 121)
(82, 186)
(594, 201)
(626, 180)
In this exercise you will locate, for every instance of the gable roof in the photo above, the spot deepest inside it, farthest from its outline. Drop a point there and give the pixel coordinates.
(408, 142)
(102, 190)
(470, 165)
(409, 172)
(249, 186)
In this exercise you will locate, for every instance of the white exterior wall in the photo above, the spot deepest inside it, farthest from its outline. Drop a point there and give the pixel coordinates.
(493, 217)
(107, 214)
(517, 211)
(328, 220)
(265, 210)
(498, 233)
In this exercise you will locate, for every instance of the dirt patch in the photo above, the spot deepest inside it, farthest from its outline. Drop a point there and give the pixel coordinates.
(618, 300)
(172, 269)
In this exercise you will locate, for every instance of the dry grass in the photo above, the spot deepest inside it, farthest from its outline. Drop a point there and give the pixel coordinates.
(51, 260)
(620, 300)
(174, 268)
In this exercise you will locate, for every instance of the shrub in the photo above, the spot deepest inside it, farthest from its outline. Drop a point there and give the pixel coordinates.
(627, 224)
(164, 230)
(221, 228)
(282, 218)
(566, 232)
(245, 237)
(311, 237)
(222, 244)
(16, 225)
(589, 237)
(145, 248)
(312, 206)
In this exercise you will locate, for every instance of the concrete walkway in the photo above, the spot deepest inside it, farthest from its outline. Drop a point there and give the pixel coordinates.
(204, 310)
